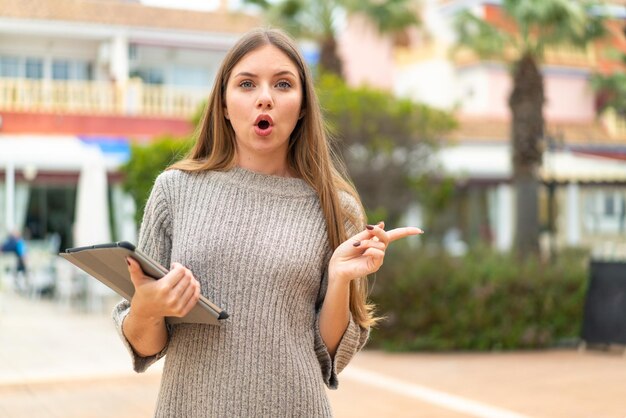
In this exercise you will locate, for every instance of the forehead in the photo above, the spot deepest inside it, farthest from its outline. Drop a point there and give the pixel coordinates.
(267, 58)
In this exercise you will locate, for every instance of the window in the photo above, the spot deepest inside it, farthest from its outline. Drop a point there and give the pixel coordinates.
(609, 205)
(34, 68)
(60, 70)
(149, 75)
(70, 70)
(82, 70)
(51, 211)
(13, 66)
(605, 212)
(154, 76)
(133, 53)
(9, 66)
(183, 76)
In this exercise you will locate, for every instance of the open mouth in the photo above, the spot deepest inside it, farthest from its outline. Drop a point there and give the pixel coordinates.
(263, 125)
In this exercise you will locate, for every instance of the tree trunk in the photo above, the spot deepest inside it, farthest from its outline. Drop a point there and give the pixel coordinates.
(329, 60)
(526, 103)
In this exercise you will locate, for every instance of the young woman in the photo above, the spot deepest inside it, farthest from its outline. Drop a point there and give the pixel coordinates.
(256, 218)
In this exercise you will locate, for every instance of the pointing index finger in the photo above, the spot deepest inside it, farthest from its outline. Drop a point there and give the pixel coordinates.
(398, 233)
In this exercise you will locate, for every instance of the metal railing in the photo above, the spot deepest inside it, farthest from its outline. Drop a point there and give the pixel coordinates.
(98, 97)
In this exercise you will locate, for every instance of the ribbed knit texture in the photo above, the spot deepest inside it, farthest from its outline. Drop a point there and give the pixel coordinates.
(259, 248)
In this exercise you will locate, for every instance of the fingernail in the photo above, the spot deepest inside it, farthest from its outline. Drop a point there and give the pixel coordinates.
(356, 244)
(370, 227)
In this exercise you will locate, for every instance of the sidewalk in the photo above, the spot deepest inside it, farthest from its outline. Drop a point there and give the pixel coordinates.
(55, 362)
(42, 341)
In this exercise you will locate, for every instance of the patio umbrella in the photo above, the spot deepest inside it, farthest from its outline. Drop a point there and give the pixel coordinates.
(92, 216)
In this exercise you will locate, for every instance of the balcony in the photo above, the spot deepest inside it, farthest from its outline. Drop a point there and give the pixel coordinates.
(558, 56)
(133, 98)
(461, 57)
(572, 56)
(614, 123)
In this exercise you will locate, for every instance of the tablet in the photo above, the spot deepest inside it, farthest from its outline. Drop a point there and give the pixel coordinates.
(107, 263)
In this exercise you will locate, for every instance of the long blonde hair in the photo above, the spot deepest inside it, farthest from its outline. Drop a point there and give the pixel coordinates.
(309, 154)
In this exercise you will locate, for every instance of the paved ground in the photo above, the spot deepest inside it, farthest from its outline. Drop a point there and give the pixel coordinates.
(55, 362)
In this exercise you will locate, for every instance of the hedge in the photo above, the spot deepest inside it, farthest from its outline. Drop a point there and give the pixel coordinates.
(482, 301)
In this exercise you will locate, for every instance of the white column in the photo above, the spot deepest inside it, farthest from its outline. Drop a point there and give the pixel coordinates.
(119, 58)
(504, 217)
(573, 215)
(10, 196)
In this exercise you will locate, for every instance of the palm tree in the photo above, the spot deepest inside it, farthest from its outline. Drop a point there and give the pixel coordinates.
(539, 24)
(316, 20)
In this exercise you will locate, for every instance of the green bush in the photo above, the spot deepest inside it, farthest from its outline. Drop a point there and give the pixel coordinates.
(483, 301)
(146, 162)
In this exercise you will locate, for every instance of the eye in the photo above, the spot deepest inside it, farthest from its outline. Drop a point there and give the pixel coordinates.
(247, 84)
(283, 84)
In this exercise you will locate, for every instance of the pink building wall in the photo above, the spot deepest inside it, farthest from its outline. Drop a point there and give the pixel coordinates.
(569, 96)
(367, 56)
(499, 85)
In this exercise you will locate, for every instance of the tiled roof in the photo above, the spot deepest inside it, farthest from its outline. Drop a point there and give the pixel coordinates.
(127, 13)
(573, 133)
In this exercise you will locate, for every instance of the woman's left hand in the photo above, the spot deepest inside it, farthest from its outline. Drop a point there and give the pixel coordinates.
(364, 253)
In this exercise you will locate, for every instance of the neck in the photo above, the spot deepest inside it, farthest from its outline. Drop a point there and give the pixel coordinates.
(265, 166)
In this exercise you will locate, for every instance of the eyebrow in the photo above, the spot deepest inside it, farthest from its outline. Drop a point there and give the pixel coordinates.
(280, 73)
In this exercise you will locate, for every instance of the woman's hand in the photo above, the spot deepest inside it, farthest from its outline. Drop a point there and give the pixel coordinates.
(175, 294)
(364, 253)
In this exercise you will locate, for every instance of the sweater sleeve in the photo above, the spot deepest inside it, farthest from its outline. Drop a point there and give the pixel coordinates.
(355, 336)
(155, 240)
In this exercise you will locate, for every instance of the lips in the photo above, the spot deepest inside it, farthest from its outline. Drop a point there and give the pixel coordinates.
(264, 118)
(263, 125)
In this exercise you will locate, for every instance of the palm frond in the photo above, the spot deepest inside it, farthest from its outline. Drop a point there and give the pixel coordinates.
(389, 16)
(263, 4)
(483, 38)
(556, 22)
(301, 18)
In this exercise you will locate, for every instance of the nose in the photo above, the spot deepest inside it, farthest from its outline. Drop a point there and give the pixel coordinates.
(264, 100)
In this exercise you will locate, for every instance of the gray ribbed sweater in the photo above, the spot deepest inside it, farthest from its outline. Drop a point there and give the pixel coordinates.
(258, 246)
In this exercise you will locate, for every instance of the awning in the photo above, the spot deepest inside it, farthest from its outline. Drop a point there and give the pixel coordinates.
(57, 152)
(42, 153)
(490, 161)
(574, 167)
(493, 161)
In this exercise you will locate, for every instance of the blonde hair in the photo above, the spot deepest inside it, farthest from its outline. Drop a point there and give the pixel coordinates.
(309, 154)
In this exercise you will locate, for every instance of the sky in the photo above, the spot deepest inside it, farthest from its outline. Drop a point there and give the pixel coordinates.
(204, 5)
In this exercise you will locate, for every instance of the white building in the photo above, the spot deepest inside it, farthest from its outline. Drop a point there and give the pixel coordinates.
(79, 75)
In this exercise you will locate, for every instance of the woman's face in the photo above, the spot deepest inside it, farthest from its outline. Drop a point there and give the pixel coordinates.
(263, 103)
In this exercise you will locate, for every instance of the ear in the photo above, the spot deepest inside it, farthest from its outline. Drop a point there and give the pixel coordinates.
(302, 113)
(226, 115)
